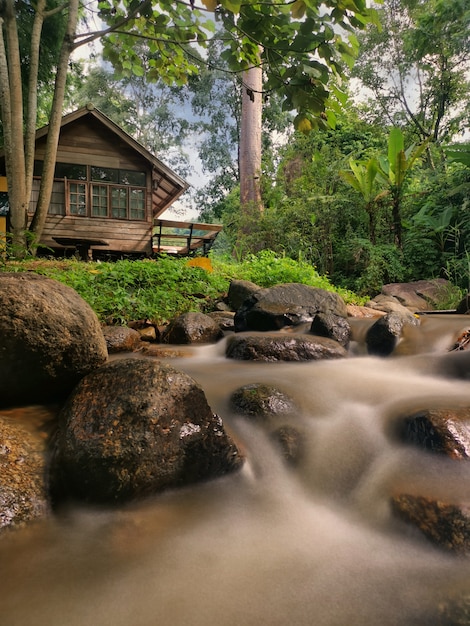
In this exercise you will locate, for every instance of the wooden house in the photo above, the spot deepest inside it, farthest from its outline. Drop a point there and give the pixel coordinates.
(108, 192)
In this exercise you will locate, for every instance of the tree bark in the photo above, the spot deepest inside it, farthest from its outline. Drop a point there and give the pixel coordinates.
(31, 114)
(250, 141)
(11, 102)
(47, 179)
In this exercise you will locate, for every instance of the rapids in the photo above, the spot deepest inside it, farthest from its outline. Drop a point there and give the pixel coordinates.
(272, 545)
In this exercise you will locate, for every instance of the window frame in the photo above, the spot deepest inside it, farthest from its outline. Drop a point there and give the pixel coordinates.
(130, 212)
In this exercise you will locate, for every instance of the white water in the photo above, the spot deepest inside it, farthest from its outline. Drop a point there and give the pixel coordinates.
(314, 545)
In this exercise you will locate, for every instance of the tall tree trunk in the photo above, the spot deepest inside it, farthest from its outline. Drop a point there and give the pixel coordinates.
(31, 114)
(47, 179)
(11, 102)
(250, 140)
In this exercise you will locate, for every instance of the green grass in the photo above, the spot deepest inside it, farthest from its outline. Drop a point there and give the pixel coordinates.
(158, 290)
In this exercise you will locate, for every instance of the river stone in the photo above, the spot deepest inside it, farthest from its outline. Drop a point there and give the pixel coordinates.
(332, 326)
(291, 443)
(136, 427)
(224, 319)
(192, 328)
(383, 335)
(49, 339)
(387, 304)
(23, 491)
(445, 524)
(121, 339)
(298, 347)
(286, 305)
(446, 431)
(463, 308)
(419, 295)
(261, 401)
(239, 291)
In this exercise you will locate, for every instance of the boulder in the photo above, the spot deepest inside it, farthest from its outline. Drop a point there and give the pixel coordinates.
(261, 401)
(239, 291)
(136, 427)
(383, 335)
(387, 304)
(286, 305)
(192, 328)
(462, 341)
(49, 339)
(225, 319)
(463, 308)
(23, 489)
(446, 431)
(296, 347)
(419, 295)
(446, 524)
(332, 326)
(121, 339)
(355, 310)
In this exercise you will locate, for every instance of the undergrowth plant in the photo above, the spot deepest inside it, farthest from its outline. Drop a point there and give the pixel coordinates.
(160, 289)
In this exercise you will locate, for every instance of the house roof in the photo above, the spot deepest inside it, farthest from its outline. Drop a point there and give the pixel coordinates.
(168, 186)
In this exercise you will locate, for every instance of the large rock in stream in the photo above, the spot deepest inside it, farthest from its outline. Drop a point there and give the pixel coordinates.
(443, 431)
(290, 304)
(49, 339)
(23, 485)
(270, 348)
(135, 427)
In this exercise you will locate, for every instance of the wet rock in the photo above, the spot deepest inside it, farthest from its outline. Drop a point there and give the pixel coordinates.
(23, 490)
(239, 291)
(161, 351)
(192, 328)
(419, 295)
(261, 401)
(462, 341)
(445, 524)
(49, 339)
(148, 334)
(383, 335)
(296, 347)
(355, 310)
(463, 308)
(387, 304)
(286, 305)
(332, 326)
(121, 339)
(291, 443)
(136, 427)
(446, 431)
(225, 319)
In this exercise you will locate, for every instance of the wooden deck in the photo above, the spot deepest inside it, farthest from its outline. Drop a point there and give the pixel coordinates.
(183, 238)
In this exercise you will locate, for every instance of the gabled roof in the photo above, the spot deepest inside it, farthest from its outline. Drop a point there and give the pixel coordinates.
(169, 185)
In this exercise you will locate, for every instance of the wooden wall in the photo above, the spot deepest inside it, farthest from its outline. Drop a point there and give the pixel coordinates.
(88, 142)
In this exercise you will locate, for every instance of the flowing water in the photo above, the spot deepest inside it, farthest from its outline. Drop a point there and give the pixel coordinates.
(272, 545)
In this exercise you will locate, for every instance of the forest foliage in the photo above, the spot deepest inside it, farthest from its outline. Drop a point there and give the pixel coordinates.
(378, 192)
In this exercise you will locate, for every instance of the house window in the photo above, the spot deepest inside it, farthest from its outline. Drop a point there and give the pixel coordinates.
(99, 201)
(70, 171)
(77, 198)
(119, 202)
(137, 204)
(125, 200)
(92, 191)
(104, 174)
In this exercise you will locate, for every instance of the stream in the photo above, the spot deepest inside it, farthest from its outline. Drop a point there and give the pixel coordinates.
(314, 544)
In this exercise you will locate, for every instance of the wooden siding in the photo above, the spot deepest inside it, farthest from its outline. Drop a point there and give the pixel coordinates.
(120, 235)
(88, 142)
